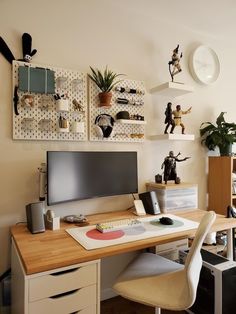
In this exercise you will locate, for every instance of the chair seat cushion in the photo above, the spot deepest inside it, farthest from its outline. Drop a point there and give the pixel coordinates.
(148, 264)
(153, 280)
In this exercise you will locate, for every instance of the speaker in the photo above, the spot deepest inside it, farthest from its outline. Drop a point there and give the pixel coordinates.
(150, 202)
(35, 217)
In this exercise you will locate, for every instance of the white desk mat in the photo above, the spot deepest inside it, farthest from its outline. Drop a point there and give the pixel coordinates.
(90, 238)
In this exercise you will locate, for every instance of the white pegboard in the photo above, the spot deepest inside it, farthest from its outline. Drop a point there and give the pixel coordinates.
(40, 122)
(121, 132)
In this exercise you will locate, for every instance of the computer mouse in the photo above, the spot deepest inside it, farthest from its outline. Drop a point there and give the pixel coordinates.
(166, 221)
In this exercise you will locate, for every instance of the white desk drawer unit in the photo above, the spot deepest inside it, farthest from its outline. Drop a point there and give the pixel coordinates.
(72, 289)
(61, 282)
(69, 303)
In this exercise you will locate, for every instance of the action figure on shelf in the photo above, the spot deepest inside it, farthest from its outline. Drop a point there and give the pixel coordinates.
(174, 64)
(169, 119)
(178, 118)
(169, 166)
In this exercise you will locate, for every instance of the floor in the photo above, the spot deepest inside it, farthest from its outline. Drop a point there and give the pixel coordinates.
(3, 309)
(119, 305)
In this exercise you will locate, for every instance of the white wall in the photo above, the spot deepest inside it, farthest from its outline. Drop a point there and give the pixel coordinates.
(132, 37)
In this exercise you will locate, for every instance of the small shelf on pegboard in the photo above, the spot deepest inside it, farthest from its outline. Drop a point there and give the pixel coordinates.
(129, 121)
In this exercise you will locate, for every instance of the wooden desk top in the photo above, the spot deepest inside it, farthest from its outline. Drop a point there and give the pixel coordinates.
(54, 249)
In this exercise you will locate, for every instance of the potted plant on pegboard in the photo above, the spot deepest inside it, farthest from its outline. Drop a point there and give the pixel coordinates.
(221, 135)
(105, 82)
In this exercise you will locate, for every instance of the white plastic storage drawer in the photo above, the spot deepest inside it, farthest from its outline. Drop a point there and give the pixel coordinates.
(171, 250)
(59, 282)
(70, 302)
(175, 196)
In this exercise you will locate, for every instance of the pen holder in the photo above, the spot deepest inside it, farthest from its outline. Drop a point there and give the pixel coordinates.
(63, 125)
(52, 223)
(62, 105)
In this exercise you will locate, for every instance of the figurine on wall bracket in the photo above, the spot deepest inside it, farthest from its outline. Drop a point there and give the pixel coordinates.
(169, 119)
(169, 166)
(26, 49)
(174, 64)
(27, 57)
(178, 118)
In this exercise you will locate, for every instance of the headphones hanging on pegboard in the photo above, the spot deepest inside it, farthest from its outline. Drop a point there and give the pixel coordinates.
(104, 125)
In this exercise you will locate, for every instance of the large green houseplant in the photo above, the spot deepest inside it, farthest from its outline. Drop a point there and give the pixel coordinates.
(221, 135)
(105, 81)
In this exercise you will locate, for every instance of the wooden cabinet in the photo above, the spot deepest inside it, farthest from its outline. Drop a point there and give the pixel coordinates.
(73, 289)
(220, 192)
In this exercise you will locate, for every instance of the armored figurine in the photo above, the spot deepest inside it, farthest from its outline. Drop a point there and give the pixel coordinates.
(169, 166)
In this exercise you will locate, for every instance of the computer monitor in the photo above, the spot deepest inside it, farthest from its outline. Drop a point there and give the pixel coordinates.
(81, 175)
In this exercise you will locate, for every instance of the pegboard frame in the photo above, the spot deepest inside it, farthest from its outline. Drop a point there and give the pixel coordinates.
(121, 131)
(35, 116)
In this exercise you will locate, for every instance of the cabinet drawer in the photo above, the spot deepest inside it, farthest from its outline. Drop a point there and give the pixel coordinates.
(60, 282)
(88, 310)
(74, 301)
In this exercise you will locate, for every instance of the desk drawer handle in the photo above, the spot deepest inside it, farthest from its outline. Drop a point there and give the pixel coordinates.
(64, 272)
(64, 294)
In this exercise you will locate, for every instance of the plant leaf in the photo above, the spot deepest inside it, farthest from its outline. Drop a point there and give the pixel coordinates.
(222, 134)
(106, 80)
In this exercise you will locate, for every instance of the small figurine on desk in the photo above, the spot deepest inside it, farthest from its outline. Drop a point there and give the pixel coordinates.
(177, 118)
(169, 119)
(174, 64)
(169, 165)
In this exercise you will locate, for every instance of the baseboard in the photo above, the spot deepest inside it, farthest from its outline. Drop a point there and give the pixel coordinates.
(107, 294)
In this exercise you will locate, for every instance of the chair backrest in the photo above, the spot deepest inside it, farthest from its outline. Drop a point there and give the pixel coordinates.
(193, 262)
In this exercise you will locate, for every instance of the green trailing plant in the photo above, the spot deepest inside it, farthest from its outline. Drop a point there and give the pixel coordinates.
(221, 135)
(106, 80)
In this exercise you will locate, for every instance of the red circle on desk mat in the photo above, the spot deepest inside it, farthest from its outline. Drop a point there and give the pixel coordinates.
(97, 235)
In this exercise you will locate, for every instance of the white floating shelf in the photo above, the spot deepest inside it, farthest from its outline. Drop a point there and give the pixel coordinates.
(172, 89)
(173, 137)
(127, 121)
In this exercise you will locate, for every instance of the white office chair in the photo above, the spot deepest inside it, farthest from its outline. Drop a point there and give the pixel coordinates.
(156, 281)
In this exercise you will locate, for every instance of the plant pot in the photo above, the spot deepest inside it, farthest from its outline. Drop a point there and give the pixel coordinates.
(225, 150)
(105, 99)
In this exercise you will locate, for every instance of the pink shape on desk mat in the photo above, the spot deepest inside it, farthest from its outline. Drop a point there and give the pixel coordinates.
(97, 235)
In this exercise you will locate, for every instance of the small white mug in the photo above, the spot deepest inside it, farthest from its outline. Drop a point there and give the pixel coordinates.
(77, 127)
(62, 105)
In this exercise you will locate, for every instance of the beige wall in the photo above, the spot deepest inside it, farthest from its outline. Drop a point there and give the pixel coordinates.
(132, 37)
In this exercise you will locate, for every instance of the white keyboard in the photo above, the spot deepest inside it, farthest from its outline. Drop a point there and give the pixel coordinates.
(118, 225)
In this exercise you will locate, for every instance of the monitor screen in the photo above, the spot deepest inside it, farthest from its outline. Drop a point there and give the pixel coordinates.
(82, 175)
